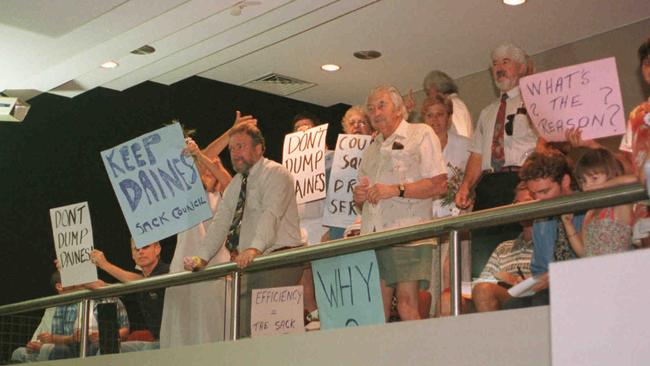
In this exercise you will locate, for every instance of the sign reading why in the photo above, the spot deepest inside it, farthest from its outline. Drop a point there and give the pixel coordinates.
(347, 290)
(73, 242)
(586, 97)
(339, 205)
(303, 154)
(158, 187)
(277, 310)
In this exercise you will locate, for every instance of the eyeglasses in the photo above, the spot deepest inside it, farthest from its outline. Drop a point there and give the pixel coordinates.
(357, 123)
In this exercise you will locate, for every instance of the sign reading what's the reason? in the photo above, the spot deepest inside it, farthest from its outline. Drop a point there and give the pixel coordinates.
(157, 185)
(73, 243)
(586, 97)
(348, 292)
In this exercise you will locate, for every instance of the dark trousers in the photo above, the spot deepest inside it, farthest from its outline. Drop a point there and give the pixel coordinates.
(540, 298)
(493, 190)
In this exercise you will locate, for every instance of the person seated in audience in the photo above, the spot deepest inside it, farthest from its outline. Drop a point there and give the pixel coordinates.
(508, 265)
(605, 230)
(547, 175)
(400, 173)
(58, 334)
(148, 263)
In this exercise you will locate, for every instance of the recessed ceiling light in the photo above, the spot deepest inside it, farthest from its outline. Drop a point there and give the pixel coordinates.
(514, 2)
(367, 55)
(110, 65)
(330, 67)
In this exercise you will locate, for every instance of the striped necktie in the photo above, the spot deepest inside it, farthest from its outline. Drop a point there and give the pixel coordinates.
(233, 235)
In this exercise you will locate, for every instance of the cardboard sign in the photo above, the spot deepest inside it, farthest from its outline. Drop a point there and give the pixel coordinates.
(277, 310)
(586, 97)
(347, 290)
(73, 243)
(158, 187)
(303, 154)
(599, 310)
(339, 205)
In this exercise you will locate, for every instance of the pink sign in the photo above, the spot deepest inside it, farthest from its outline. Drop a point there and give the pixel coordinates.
(584, 96)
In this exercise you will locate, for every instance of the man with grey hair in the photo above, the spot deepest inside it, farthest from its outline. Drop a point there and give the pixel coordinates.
(400, 173)
(502, 141)
(437, 82)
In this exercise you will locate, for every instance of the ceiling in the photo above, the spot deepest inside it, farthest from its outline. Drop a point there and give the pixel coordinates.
(57, 45)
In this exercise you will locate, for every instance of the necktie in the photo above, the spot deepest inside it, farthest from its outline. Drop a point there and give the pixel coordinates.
(498, 155)
(233, 235)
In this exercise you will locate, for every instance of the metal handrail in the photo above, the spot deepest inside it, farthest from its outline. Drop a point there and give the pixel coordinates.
(474, 220)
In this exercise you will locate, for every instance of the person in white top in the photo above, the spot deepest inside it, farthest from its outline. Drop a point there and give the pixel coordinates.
(515, 140)
(400, 173)
(438, 83)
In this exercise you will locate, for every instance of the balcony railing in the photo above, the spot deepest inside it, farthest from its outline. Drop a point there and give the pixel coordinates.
(452, 225)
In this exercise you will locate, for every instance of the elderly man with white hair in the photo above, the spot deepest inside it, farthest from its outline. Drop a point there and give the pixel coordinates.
(503, 139)
(400, 173)
(504, 136)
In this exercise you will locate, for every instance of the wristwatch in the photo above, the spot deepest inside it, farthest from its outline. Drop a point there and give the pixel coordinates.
(401, 190)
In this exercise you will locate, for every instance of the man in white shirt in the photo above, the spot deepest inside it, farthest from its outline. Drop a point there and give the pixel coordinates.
(400, 173)
(258, 215)
(503, 139)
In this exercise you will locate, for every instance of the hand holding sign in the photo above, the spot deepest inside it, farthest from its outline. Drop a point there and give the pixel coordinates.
(585, 97)
(303, 155)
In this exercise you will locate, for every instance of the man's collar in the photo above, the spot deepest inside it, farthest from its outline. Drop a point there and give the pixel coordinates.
(256, 167)
(514, 92)
(400, 131)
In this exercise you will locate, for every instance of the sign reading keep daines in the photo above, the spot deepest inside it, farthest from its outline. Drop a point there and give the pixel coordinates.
(158, 186)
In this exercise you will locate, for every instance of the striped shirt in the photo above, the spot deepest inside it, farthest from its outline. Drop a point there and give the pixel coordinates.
(509, 256)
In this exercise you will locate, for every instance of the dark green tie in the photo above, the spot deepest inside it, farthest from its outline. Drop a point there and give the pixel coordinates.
(233, 235)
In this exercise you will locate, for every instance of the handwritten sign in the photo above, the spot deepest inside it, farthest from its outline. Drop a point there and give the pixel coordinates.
(347, 290)
(73, 242)
(339, 205)
(586, 97)
(303, 155)
(277, 310)
(158, 187)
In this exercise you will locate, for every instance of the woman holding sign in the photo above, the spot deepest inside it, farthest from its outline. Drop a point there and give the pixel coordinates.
(194, 314)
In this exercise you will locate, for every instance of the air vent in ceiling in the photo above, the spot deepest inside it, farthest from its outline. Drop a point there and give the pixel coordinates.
(278, 84)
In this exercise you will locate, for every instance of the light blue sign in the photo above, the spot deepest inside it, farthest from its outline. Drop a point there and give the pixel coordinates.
(348, 292)
(158, 187)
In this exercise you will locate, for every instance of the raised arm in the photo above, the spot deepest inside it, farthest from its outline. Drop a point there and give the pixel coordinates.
(98, 258)
(217, 146)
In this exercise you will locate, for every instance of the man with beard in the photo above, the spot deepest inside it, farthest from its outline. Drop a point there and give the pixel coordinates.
(502, 141)
(258, 215)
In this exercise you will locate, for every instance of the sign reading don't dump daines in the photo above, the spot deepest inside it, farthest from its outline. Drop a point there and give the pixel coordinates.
(158, 186)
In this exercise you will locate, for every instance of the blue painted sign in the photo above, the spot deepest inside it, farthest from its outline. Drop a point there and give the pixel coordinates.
(348, 292)
(158, 187)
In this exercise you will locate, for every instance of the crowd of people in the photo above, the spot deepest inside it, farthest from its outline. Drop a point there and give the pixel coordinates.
(439, 165)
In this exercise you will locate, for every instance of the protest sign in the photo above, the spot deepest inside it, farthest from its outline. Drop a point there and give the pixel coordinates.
(158, 186)
(73, 243)
(586, 97)
(339, 205)
(347, 290)
(277, 310)
(303, 154)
